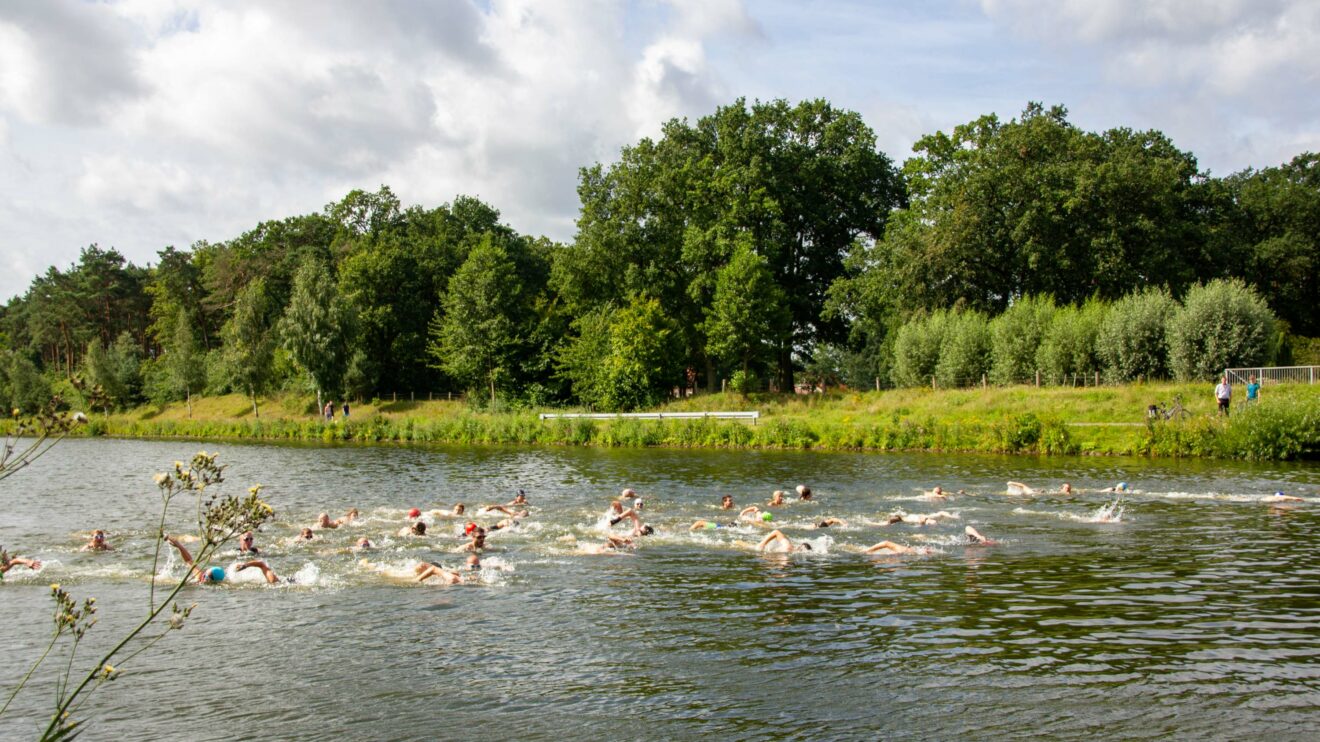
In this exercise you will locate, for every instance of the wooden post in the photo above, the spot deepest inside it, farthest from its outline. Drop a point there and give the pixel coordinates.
(877, 383)
(1037, 378)
(1097, 378)
(394, 396)
(932, 381)
(412, 396)
(983, 381)
(451, 396)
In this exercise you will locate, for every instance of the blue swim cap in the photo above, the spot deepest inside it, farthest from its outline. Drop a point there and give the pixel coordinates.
(215, 574)
(1122, 485)
(767, 516)
(1278, 494)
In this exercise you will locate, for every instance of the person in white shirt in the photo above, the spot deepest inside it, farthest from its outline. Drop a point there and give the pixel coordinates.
(1223, 392)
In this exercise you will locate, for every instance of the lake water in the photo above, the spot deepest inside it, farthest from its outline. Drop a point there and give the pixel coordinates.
(1196, 615)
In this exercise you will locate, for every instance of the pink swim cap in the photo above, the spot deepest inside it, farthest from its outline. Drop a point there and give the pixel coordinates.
(414, 513)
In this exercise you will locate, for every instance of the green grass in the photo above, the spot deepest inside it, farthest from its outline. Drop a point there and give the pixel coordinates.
(1022, 419)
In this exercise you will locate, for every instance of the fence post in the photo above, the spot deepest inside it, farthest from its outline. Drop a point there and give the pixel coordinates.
(722, 385)
(451, 396)
(412, 396)
(394, 396)
(932, 382)
(877, 383)
(1037, 378)
(982, 381)
(1097, 378)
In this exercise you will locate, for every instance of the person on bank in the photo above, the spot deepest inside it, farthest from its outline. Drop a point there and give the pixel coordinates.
(1223, 393)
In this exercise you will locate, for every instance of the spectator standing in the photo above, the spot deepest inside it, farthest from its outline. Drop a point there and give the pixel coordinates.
(1223, 393)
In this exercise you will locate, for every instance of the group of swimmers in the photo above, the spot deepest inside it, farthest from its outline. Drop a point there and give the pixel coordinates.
(627, 507)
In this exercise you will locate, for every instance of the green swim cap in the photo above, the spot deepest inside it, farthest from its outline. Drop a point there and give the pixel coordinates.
(767, 516)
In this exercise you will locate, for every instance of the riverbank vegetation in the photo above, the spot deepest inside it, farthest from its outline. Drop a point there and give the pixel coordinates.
(1285, 424)
(761, 247)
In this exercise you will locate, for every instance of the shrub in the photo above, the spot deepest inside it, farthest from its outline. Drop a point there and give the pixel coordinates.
(917, 349)
(1069, 345)
(965, 351)
(1016, 336)
(1131, 342)
(1220, 324)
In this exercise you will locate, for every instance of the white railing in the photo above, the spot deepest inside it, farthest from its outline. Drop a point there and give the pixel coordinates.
(753, 416)
(1274, 374)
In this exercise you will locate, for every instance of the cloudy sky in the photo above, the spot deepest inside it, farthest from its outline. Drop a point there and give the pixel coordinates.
(144, 123)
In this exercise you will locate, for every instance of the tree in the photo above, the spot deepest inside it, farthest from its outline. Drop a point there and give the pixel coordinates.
(1132, 341)
(249, 344)
(622, 358)
(1220, 324)
(747, 313)
(183, 360)
(1016, 335)
(316, 328)
(1069, 345)
(917, 348)
(475, 337)
(964, 350)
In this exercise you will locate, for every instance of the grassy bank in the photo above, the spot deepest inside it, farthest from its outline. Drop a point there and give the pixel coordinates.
(1103, 420)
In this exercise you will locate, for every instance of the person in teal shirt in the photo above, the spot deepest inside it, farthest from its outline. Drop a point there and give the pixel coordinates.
(1253, 391)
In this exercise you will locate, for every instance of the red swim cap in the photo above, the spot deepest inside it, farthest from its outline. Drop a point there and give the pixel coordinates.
(414, 513)
(469, 528)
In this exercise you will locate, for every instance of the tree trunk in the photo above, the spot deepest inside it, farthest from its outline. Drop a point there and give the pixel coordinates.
(187, 394)
(492, 391)
(255, 412)
(786, 369)
(710, 375)
(320, 404)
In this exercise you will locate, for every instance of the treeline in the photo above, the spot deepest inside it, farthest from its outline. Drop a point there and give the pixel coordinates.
(755, 245)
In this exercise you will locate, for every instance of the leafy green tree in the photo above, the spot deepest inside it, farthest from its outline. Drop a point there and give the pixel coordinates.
(475, 338)
(917, 348)
(747, 313)
(622, 358)
(1016, 335)
(964, 349)
(317, 328)
(115, 369)
(249, 344)
(183, 360)
(1220, 324)
(22, 387)
(1132, 341)
(1069, 345)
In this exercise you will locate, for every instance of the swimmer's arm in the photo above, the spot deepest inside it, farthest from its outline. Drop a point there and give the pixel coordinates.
(184, 554)
(21, 561)
(266, 571)
(748, 511)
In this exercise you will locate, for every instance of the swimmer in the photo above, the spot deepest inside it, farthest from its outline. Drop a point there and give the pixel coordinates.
(427, 570)
(614, 513)
(1018, 488)
(202, 576)
(639, 528)
(776, 542)
(478, 541)
(756, 515)
(708, 525)
(97, 542)
(1066, 489)
(612, 545)
(456, 512)
(828, 522)
(935, 494)
(9, 562)
(974, 538)
(1120, 487)
(363, 543)
(520, 499)
(628, 493)
(804, 492)
(349, 517)
(418, 528)
(245, 544)
(893, 548)
(777, 499)
(1280, 497)
(266, 571)
(305, 535)
(503, 509)
(726, 502)
(323, 521)
(506, 523)
(414, 513)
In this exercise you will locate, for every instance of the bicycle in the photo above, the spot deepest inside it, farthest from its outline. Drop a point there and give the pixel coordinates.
(1174, 412)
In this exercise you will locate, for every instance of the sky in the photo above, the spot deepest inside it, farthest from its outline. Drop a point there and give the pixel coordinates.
(140, 124)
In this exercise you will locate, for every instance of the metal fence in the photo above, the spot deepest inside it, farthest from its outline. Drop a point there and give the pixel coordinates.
(1274, 374)
(753, 416)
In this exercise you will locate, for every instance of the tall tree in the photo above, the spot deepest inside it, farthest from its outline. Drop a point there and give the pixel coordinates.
(476, 337)
(317, 328)
(747, 314)
(249, 344)
(183, 359)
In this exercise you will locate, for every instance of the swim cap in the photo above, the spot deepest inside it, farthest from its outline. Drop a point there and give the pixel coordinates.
(1278, 494)
(469, 528)
(414, 513)
(767, 516)
(710, 526)
(1123, 486)
(215, 574)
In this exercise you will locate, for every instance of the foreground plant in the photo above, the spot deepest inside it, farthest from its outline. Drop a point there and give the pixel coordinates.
(30, 437)
(219, 520)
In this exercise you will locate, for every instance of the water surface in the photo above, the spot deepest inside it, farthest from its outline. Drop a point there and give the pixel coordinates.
(1197, 614)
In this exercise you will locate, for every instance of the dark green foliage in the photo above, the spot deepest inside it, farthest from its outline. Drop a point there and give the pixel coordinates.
(964, 350)
(1069, 345)
(623, 358)
(1132, 342)
(21, 385)
(917, 349)
(1016, 336)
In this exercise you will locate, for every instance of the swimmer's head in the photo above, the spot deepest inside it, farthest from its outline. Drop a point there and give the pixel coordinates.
(637, 504)
(215, 574)
(938, 490)
(474, 561)
(1279, 494)
(419, 528)
(823, 524)
(767, 516)
(306, 534)
(469, 528)
(246, 540)
(1067, 488)
(805, 546)
(363, 543)
(323, 519)
(414, 513)
(647, 530)
(629, 492)
(98, 535)
(777, 496)
(893, 518)
(459, 508)
(804, 491)
(726, 502)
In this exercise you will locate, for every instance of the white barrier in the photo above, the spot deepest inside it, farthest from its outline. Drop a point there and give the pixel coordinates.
(753, 415)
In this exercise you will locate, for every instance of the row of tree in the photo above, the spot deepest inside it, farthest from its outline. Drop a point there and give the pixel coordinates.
(754, 244)
(1145, 335)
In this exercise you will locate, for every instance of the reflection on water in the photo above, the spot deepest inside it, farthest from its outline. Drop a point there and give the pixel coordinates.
(1186, 609)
